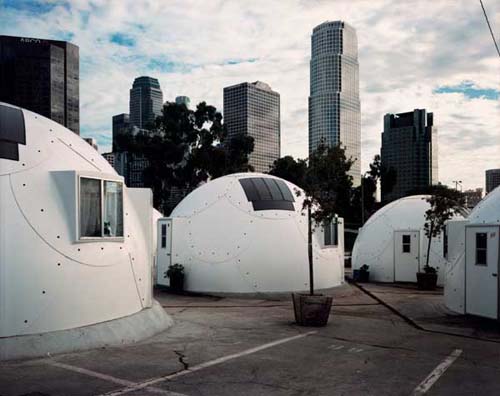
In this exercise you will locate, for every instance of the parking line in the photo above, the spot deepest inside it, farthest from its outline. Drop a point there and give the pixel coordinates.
(210, 363)
(109, 378)
(431, 379)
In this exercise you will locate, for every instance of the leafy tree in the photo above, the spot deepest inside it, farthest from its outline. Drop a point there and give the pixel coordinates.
(290, 169)
(185, 148)
(444, 204)
(327, 187)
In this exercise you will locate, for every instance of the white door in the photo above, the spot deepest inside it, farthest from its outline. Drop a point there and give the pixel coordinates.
(406, 255)
(164, 255)
(481, 271)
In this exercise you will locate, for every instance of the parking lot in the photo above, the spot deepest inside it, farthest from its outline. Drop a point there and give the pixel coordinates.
(381, 340)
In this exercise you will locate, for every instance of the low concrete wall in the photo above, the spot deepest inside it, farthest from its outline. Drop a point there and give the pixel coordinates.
(126, 330)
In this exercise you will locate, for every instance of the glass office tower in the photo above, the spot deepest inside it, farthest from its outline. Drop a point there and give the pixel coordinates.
(41, 76)
(254, 109)
(146, 102)
(334, 106)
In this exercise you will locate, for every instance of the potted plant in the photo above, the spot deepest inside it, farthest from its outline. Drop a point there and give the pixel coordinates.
(444, 204)
(175, 273)
(364, 273)
(327, 188)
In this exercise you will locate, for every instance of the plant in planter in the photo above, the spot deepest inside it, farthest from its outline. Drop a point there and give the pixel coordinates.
(175, 273)
(327, 187)
(444, 204)
(364, 273)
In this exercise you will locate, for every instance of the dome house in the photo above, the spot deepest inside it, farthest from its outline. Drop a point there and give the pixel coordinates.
(75, 244)
(394, 245)
(247, 233)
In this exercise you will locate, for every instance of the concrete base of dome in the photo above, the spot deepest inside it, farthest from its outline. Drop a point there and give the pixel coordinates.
(126, 330)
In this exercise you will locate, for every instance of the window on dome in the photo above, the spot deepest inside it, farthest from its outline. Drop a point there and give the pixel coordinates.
(267, 193)
(100, 208)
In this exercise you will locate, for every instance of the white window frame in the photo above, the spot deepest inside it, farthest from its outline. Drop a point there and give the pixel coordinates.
(102, 178)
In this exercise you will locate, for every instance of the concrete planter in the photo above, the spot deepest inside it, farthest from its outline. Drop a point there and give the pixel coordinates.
(311, 310)
(426, 281)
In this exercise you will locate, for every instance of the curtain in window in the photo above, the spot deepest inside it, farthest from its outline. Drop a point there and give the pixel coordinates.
(90, 207)
(113, 209)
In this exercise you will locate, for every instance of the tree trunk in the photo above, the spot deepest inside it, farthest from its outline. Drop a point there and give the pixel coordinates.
(310, 251)
(429, 245)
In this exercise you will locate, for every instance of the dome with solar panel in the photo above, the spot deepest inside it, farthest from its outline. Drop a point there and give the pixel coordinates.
(247, 233)
(75, 244)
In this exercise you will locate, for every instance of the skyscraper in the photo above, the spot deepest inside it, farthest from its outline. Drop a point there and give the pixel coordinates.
(334, 107)
(492, 179)
(254, 109)
(410, 149)
(183, 100)
(146, 102)
(121, 126)
(41, 76)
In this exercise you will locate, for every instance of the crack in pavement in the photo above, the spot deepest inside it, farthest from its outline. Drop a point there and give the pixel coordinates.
(182, 360)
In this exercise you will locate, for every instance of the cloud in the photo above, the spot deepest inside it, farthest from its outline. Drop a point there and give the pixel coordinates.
(414, 54)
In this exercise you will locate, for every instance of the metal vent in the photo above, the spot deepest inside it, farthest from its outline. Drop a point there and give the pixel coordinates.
(12, 132)
(267, 193)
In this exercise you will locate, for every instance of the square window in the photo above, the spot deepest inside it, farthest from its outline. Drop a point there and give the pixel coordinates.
(90, 207)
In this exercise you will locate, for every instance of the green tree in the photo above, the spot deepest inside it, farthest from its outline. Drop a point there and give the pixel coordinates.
(444, 204)
(185, 148)
(290, 169)
(327, 187)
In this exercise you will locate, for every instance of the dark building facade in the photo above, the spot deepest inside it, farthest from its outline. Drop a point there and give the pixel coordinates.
(409, 148)
(254, 109)
(146, 101)
(334, 105)
(121, 126)
(41, 76)
(492, 179)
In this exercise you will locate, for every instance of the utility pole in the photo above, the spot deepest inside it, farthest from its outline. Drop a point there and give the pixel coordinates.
(457, 183)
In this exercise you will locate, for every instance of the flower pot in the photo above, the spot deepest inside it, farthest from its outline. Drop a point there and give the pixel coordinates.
(426, 281)
(364, 276)
(177, 282)
(311, 310)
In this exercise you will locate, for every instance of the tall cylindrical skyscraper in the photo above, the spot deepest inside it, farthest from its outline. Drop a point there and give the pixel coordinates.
(146, 102)
(334, 107)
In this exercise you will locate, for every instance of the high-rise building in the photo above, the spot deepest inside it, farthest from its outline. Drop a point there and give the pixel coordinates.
(121, 126)
(492, 179)
(41, 76)
(334, 106)
(92, 142)
(254, 109)
(409, 149)
(183, 100)
(146, 102)
(110, 157)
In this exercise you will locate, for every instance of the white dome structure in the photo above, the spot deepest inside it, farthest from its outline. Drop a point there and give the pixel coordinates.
(247, 233)
(393, 243)
(472, 278)
(76, 245)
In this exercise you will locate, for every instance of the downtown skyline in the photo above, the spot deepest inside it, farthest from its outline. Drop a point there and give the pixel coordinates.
(407, 60)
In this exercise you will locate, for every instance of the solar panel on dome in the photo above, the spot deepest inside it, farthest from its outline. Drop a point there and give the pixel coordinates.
(267, 193)
(12, 132)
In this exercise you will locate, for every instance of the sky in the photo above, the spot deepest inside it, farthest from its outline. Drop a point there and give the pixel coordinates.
(433, 54)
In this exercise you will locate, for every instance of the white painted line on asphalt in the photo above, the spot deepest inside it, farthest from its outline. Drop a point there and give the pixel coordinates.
(109, 378)
(431, 379)
(210, 363)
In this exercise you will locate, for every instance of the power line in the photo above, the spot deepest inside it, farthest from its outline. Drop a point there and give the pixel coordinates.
(489, 26)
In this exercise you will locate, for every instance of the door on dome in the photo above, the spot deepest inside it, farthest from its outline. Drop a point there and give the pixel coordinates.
(164, 250)
(481, 271)
(406, 255)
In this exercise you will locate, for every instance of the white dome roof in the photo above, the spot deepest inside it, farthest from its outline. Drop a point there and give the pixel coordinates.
(488, 210)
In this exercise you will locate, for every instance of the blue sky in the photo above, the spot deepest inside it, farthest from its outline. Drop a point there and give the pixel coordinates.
(413, 54)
